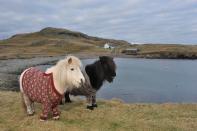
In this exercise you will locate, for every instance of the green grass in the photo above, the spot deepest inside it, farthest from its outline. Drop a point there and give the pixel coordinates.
(109, 116)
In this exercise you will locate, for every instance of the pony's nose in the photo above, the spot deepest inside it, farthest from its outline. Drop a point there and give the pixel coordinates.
(114, 74)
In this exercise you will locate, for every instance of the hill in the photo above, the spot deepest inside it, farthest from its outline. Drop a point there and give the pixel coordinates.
(166, 51)
(56, 41)
(51, 42)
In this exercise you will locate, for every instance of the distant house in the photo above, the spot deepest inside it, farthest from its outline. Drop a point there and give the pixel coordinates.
(137, 43)
(131, 51)
(108, 46)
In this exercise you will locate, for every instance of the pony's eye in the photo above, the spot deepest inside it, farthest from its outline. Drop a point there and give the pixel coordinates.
(72, 69)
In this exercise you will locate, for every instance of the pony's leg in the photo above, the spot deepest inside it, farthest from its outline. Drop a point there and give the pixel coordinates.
(89, 102)
(67, 98)
(32, 107)
(56, 113)
(94, 101)
(46, 108)
(61, 102)
(28, 103)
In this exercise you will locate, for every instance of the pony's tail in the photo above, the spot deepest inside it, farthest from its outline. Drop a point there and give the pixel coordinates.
(21, 91)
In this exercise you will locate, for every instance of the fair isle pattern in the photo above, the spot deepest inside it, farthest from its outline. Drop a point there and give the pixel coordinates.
(39, 87)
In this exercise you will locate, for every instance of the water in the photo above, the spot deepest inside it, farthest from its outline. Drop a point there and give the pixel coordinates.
(152, 81)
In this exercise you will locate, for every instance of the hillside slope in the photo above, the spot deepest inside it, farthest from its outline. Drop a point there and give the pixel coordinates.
(166, 51)
(53, 41)
(56, 41)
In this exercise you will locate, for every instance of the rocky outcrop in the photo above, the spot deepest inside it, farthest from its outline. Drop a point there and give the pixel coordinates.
(12, 68)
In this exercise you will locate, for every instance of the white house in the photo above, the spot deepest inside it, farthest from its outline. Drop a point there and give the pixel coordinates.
(108, 46)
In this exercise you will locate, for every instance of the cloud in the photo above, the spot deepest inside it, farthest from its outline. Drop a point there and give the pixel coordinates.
(156, 21)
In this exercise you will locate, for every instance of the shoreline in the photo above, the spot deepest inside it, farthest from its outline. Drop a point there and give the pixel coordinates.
(10, 69)
(91, 55)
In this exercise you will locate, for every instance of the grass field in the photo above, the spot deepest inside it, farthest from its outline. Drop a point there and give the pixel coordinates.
(109, 116)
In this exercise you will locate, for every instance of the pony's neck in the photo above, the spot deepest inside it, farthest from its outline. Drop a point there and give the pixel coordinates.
(57, 79)
(96, 76)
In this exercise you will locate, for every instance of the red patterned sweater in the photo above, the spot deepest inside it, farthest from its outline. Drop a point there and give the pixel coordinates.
(39, 87)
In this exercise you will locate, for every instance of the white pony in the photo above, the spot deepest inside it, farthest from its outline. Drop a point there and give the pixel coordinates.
(49, 87)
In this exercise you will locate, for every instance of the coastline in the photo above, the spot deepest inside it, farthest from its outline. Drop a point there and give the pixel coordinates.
(10, 69)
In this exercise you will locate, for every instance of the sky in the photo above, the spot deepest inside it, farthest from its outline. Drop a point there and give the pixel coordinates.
(136, 21)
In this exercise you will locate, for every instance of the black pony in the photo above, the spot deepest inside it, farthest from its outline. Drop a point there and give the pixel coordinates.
(95, 74)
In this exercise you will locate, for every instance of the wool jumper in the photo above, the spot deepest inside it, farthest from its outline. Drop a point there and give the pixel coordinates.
(39, 87)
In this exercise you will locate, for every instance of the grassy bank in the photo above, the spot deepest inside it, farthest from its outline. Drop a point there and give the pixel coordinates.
(165, 51)
(110, 115)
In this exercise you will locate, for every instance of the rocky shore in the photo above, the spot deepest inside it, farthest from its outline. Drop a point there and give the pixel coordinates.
(10, 70)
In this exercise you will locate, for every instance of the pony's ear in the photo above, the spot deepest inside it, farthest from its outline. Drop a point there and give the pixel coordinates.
(102, 58)
(105, 58)
(69, 60)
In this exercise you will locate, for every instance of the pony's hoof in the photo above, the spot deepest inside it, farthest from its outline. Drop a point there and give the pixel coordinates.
(94, 105)
(56, 117)
(43, 118)
(90, 107)
(30, 114)
(68, 101)
(61, 103)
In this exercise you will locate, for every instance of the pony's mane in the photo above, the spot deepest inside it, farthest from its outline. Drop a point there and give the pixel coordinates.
(64, 62)
(96, 71)
(59, 74)
(96, 74)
